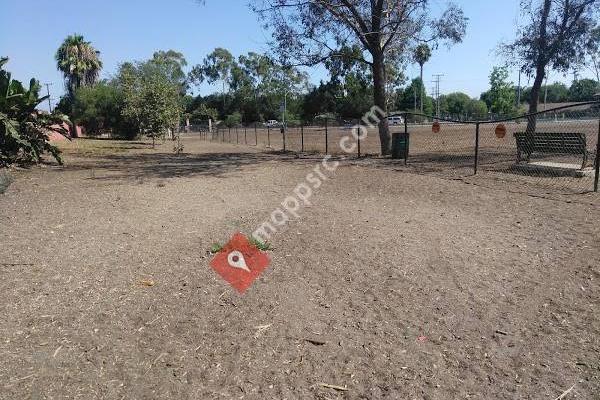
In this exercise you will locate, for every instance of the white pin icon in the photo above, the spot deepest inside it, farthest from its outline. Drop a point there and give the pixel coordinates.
(236, 260)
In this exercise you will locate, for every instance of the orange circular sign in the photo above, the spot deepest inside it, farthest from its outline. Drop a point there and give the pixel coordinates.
(436, 127)
(500, 131)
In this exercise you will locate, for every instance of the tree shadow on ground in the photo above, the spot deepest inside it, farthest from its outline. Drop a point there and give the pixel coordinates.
(141, 166)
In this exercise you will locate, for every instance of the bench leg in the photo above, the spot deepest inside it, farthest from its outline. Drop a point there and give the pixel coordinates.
(585, 159)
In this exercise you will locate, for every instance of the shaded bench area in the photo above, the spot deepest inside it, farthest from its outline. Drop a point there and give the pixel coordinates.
(551, 143)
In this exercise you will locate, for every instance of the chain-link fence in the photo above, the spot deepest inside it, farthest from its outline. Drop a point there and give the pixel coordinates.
(554, 150)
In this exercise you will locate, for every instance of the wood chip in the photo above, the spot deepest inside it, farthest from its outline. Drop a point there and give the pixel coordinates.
(334, 387)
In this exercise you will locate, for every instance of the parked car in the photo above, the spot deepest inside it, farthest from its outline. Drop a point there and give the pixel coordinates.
(396, 120)
(272, 123)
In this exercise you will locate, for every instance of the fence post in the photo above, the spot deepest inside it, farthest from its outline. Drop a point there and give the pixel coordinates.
(246, 134)
(268, 137)
(237, 136)
(302, 137)
(283, 132)
(359, 133)
(476, 148)
(255, 135)
(597, 177)
(407, 141)
(326, 135)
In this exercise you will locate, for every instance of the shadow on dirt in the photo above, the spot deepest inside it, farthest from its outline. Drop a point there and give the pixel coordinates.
(138, 167)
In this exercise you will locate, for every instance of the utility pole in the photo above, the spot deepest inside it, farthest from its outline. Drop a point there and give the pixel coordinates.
(438, 79)
(519, 90)
(49, 102)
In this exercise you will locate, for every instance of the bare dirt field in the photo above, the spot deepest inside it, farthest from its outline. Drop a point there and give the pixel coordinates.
(392, 285)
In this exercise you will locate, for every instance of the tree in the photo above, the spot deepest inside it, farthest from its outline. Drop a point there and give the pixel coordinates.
(173, 63)
(501, 96)
(583, 90)
(422, 55)
(23, 129)
(314, 31)
(593, 52)
(476, 110)
(407, 100)
(554, 93)
(555, 38)
(256, 83)
(99, 109)
(217, 66)
(79, 62)
(151, 100)
(457, 103)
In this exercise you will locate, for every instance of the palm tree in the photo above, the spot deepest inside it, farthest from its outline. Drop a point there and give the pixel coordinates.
(79, 62)
(421, 55)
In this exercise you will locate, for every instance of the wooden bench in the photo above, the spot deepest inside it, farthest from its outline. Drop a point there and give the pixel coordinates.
(551, 143)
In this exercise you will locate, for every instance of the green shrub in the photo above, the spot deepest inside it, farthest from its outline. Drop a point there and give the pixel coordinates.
(23, 129)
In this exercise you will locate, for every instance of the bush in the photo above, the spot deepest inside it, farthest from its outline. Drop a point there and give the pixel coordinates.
(233, 119)
(23, 129)
(477, 110)
(98, 108)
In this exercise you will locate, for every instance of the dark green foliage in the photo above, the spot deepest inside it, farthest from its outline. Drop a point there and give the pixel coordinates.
(408, 99)
(584, 90)
(98, 109)
(476, 110)
(233, 120)
(23, 129)
(554, 93)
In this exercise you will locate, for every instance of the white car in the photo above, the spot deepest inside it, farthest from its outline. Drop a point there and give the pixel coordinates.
(396, 120)
(272, 123)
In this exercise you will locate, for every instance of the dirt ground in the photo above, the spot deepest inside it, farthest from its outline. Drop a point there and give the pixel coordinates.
(392, 285)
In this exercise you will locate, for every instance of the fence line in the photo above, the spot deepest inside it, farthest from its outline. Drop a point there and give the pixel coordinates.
(465, 148)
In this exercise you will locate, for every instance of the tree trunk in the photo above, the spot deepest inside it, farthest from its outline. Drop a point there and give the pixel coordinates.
(380, 101)
(422, 88)
(535, 99)
(540, 71)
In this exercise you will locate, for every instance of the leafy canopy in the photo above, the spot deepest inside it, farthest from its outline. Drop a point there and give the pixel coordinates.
(79, 62)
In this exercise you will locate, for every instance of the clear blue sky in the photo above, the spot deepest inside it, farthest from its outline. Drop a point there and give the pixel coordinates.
(32, 30)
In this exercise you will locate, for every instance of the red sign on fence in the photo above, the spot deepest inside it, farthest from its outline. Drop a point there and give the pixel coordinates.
(500, 131)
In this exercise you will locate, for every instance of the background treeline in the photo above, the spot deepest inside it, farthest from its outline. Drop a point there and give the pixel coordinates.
(152, 97)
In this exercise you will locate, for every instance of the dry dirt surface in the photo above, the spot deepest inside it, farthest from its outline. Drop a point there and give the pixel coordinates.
(391, 285)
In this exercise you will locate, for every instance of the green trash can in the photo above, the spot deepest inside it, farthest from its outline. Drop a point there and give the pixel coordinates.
(400, 145)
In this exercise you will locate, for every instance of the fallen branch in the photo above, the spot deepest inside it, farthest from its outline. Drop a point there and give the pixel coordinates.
(562, 396)
(335, 387)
